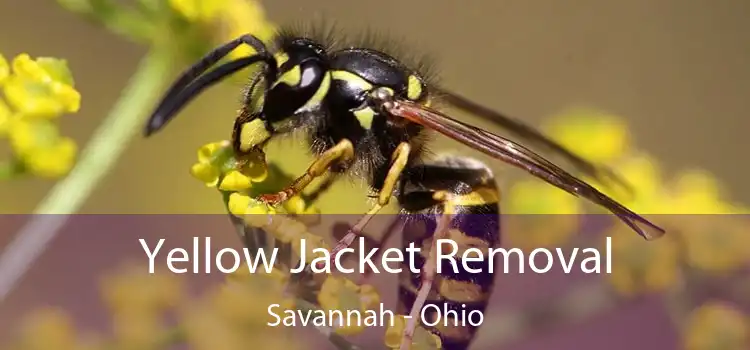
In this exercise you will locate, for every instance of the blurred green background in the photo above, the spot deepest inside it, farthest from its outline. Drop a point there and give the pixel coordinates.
(675, 70)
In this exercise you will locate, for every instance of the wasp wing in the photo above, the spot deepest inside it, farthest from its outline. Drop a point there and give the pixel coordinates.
(530, 134)
(519, 156)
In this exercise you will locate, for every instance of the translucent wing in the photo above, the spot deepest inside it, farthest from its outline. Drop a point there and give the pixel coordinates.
(519, 156)
(533, 137)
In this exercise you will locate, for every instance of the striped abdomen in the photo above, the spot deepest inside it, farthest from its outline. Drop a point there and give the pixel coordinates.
(459, 297)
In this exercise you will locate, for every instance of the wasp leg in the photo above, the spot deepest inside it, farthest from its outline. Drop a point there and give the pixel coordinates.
(311, 197)
(398, 163)
(429, 270)
(341, 152)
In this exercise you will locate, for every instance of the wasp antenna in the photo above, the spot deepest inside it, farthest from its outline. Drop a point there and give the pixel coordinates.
(175, 96)
(643, 227)
(171, 107)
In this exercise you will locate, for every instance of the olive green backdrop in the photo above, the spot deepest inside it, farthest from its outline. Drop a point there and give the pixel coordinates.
(678, 70)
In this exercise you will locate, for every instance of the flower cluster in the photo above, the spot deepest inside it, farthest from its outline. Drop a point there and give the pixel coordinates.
(230, 18)
(717, 325)
(153, 311)
(189, 27)
(235, 314)
(339, 293)
(37, 92)
(241, 181)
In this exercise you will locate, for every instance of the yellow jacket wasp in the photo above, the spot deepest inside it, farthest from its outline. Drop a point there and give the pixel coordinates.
(367, 113)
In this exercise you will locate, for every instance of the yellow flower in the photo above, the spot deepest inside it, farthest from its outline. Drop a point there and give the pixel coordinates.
(217, 166)
(231, 18)
(209, 328)
(137, 328)
(287, 229)
(198, 10)
(39, 146)
(4, 69)
(138, 301)
(6, 116)
(206, 173)
(640, 266)
(216, 161)
(240, 17)
(239, 203)
(53, 161)
(595, 135)
(277, 278)
(340, 293)
(211, 158)
(207, 169)
(48, 329)
(537, 197)
(295, 205)
(255, 212)
(41, 88)
(304, 214)
(422, 339)
(714, 239)
(37, 91)
(716, 325)
(312, 242)
(209, 151)
(697, 192)
(235, 181)
(643, 173)
(369, 297)
(541, 215)
(253, 165)
(247, 303)
(133, 288)
(236, 313)
(206, 330)
(715, 243)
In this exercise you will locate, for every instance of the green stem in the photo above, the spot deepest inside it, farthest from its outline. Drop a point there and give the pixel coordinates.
(96, 160)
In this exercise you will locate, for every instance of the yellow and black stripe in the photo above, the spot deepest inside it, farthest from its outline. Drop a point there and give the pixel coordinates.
(473, 198)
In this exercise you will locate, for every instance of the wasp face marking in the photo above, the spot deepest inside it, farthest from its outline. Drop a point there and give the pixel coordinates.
(351, 91)
(281, 58)
(359, 72)
(302, 83)
(251, 134)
